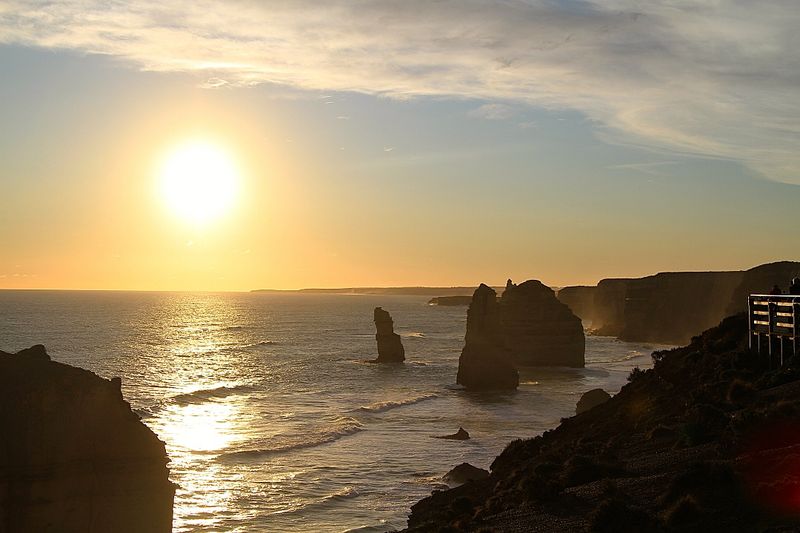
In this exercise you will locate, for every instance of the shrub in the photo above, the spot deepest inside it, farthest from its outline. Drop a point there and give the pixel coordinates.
(615, 516)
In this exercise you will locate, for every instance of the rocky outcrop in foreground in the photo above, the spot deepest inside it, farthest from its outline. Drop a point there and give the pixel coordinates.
(707, 440)
(485, 362)
(538, 330)
(463, 473)
(591, 399)
(73, 456)
(390, 348)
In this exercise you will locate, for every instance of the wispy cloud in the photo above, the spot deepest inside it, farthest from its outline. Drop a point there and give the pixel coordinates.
(715, 78)
(493, 112)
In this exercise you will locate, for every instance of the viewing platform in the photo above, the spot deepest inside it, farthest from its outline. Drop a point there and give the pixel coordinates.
(773, 325)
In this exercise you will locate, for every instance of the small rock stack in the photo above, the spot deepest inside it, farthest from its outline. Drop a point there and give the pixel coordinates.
(390, 348)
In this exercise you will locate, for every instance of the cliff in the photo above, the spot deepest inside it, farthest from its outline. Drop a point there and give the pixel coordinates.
(537, 329)
(761, 279)
(609, 306)
(73, 456)
(580, 299)
(671, 307)
(707, 440)
(485, 362)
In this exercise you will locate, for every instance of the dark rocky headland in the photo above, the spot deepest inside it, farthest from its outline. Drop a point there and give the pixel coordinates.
(707, 440)
(73, 456)
(451, 301)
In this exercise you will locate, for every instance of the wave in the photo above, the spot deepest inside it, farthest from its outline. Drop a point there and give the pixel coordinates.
(385, 406)
(233, 328)
(259, 344)
(194, 397)
(627, 357)
(342, 427)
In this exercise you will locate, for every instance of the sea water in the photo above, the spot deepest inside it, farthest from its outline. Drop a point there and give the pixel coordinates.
(272, 419)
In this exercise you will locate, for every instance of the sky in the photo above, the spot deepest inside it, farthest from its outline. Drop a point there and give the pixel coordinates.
(381, 143)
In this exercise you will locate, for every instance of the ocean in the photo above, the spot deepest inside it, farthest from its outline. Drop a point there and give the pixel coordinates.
(272, 419)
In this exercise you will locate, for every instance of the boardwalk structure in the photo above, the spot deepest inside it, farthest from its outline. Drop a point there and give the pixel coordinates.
(774, 323)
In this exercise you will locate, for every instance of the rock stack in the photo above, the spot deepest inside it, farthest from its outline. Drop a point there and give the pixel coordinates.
(539, 330)
(484, 363)
(390, 348)
(73, 456)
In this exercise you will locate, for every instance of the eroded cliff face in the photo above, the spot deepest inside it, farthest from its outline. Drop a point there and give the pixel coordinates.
(73, 456)
(672, 307)
(580, 300)
(539, 330)
(760, 280)
(609, 306)
(485, 362)
(390, 347)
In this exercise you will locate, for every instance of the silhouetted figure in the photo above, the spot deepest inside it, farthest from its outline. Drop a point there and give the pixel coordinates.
(795, 286)
(776, 291)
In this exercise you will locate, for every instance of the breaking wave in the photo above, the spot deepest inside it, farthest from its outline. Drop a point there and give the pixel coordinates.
(194, 397)
(341, 427)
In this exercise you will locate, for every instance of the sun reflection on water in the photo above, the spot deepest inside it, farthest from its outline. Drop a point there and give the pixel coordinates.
(205, 427)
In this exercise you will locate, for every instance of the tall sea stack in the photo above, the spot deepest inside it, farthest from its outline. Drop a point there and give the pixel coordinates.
(73, 456)
(539, 330)
(390, 348)
(484, 363)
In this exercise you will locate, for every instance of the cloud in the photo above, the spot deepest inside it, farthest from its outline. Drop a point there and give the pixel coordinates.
(713, 78)
(493, 112)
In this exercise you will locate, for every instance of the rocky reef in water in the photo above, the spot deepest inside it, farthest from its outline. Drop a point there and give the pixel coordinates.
(707, 440)
(390, 347)
(73, 456)
(485, 363)
(539, 330)
(670, 307)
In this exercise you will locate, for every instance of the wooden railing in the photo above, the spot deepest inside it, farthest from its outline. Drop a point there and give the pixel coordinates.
(774, 320)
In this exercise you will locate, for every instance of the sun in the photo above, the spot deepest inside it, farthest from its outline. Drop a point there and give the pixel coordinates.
(199, 181)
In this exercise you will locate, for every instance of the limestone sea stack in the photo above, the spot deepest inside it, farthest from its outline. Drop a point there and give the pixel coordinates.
(539, 330)
(73, 456)
(390, 348)
(485, 362)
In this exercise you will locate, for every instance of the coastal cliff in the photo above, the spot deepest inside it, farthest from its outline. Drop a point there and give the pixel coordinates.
(671, 307)
(73, 456)
(706, 440)
(761, 279)
(580, 300)
(538, 330)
